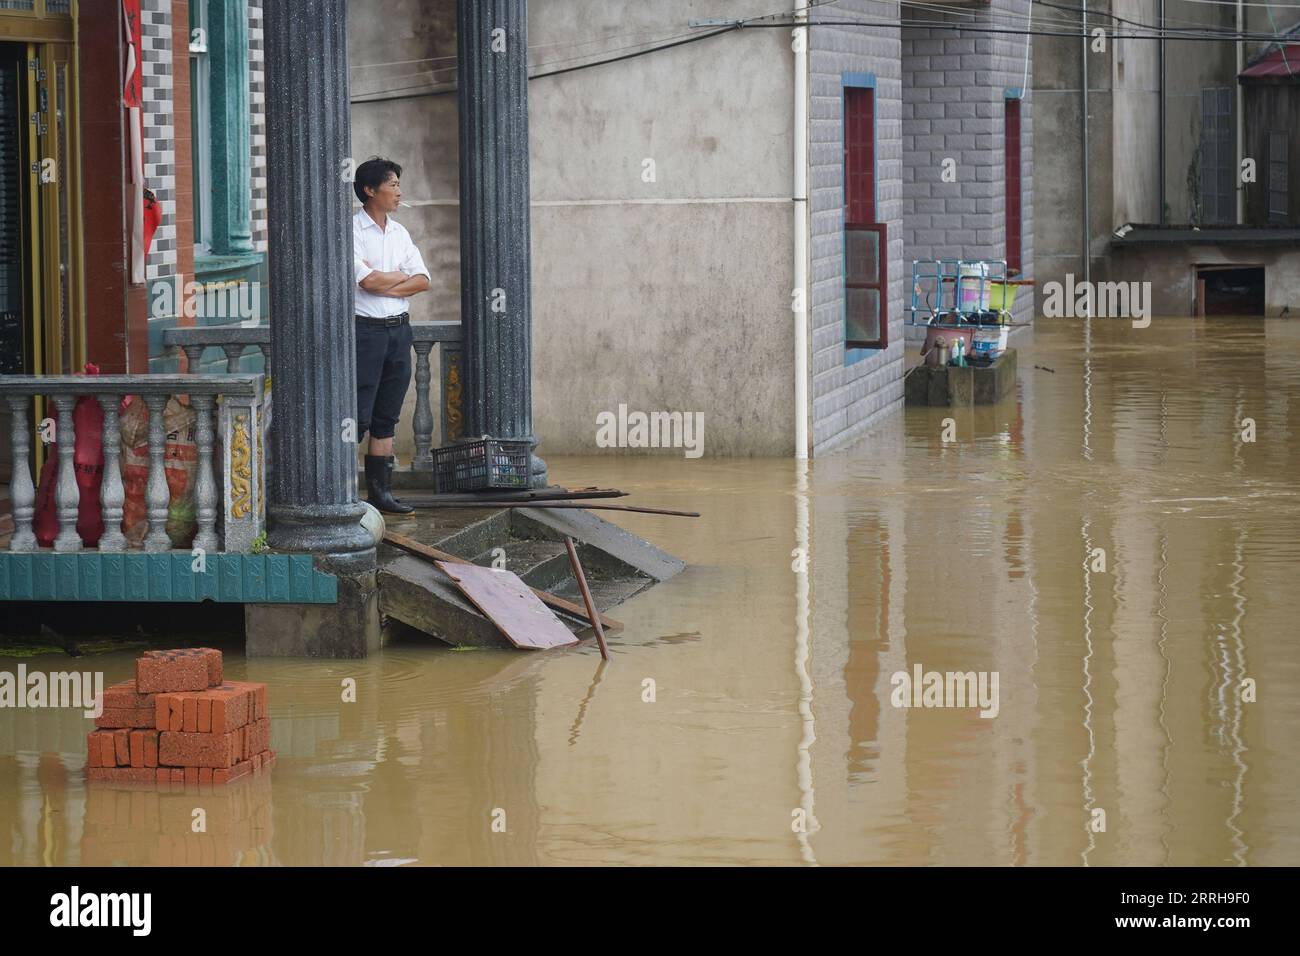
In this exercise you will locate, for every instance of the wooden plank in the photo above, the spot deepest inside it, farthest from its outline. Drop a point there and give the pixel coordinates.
(511, 605)
(411, 546)
(489, 497)
(549, 505)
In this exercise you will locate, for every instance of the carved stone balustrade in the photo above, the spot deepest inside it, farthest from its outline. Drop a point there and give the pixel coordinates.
(228, 487)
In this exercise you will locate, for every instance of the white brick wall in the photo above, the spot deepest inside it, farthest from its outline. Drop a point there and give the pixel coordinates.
(849, 398)
(159, 135)
(257, 118)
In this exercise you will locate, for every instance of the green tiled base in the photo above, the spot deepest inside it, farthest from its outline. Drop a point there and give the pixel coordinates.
(229, 578)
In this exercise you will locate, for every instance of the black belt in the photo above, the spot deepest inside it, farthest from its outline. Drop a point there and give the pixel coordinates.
(386, 322)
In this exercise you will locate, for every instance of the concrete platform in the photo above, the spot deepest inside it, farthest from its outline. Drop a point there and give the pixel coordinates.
(952, 387)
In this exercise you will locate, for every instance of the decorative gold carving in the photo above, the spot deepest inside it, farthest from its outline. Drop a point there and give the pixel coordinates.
(453, 402)
(240, 474)
(261, 464)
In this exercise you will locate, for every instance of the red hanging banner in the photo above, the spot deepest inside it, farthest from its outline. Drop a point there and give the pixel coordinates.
(132, 100)
(133, 93)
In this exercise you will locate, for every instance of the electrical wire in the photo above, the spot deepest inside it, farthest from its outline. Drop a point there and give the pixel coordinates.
(681, 39)
(868, 20)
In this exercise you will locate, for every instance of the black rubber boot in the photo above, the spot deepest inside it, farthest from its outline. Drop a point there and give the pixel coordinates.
(378, 492)
(392, 464)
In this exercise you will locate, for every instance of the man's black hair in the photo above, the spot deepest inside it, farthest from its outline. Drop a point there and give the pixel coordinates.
(373, 173)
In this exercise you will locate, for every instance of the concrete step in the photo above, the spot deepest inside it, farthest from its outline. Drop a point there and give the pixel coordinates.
(413, 592)
(542, 564)
(606, 592)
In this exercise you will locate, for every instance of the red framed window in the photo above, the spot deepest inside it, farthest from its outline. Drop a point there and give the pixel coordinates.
(866, 244)
(866, 285)
(1011, 137)
(859, 154)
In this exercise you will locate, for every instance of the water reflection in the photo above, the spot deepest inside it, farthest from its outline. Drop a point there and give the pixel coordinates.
(1106, 542)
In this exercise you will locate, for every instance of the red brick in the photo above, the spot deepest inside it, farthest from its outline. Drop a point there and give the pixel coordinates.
(141, 775)
(163, 775)
(205, 775)
(259, 737)
(191, 776)
(122, 747)
(212, 657)
(162, 709)
(255, 695)
(205, 714)
(176, 718)
(107, 750)
(166, 671)
(92, 751)
(231, 774)
(137, 748)
(190, 710)
(178, 775)
(151, 748)
(124, 717)
(124, 696)
(229, 707)
(198, 750)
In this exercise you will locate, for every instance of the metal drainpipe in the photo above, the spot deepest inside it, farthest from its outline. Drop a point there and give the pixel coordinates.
(801, 315)
(1161, 148)
(1240, 189)
(1083, 126)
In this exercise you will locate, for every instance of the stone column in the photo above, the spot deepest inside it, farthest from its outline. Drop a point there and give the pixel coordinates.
(313, 466)
(232, 229)
(495, 265)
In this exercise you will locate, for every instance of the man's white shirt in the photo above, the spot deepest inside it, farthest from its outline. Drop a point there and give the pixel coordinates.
(386, 250)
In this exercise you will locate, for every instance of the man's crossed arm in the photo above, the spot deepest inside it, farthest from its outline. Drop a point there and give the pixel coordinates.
(397, 285)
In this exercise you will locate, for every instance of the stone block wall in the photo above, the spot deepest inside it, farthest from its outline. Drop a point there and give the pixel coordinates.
(955, 85)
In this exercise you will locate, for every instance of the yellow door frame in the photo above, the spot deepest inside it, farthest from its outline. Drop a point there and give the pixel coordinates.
(50, 64)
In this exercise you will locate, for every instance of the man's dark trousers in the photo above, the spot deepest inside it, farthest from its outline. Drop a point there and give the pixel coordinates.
(383, 373)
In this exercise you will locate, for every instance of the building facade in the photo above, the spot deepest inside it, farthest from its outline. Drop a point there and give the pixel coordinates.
(665, 214)
(1190, 139)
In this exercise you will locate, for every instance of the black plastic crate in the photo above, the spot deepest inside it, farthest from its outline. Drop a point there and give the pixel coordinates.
(482, 464)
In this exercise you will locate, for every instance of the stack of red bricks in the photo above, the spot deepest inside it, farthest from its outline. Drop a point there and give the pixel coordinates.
(180, 723)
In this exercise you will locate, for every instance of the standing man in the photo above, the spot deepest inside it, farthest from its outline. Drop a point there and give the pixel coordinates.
(389, 270)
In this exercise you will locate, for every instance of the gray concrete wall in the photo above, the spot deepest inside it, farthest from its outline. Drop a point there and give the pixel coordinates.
(671, 295)
(1135, 118)
(1058, 168)
(849, 397)
(1171, 270)
(954, 92)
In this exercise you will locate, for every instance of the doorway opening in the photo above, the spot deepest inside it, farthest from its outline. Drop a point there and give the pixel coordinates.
(1230, 290)
(41, 327)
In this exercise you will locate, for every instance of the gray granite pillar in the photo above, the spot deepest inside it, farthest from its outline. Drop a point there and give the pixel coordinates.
(313, 466)
(495, 265)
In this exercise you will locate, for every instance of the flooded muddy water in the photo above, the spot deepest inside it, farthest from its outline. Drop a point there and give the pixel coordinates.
(1107, 546)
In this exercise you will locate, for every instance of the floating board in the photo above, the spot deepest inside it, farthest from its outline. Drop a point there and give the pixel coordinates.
(510, 604)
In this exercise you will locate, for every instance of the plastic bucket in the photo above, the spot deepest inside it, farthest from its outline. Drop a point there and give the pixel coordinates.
(973, 287)
(990, 341)
(1001, 296)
